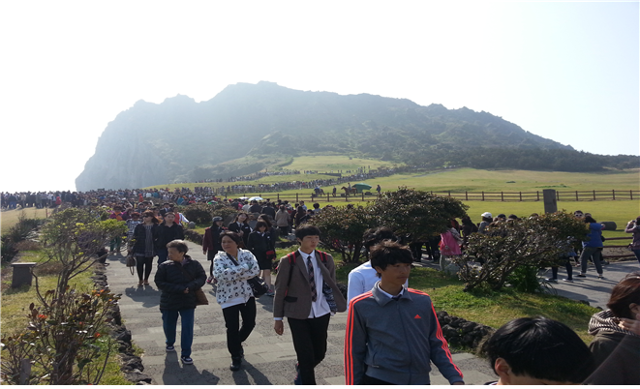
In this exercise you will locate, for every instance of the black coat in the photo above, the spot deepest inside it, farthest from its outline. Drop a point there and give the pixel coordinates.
(259, 244)
(172, 281)
(140, 236)
(167, 234)
(245, 228)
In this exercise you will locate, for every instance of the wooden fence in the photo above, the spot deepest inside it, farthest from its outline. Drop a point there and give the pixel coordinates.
(594, 195)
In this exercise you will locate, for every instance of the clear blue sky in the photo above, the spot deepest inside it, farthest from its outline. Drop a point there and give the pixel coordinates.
(565, 71)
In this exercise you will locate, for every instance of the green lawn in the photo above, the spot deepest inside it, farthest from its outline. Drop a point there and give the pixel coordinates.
(9, 218)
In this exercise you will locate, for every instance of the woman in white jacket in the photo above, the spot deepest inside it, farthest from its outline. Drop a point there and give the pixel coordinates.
(231, 269)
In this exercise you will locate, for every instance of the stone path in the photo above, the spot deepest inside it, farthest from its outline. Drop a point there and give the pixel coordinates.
(269, 358)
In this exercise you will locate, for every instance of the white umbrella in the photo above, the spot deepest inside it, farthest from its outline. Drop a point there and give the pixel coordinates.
(257, 198)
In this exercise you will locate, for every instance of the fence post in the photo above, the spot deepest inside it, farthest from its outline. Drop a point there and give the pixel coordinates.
(297, 197)
(449, 193)
(328, 201)
(557, 196)
(482, 195)
(577, 196)
(631, 194)
(550, 204)
(346, 196)
(520, 196)
(538, 195)
(613, 191)
(278, 194)
(362, 196)
(594, 195)
(466, 196)
(501, 196)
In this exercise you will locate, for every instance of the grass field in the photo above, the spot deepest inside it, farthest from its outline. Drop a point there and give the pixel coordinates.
(325, 164)
(9, 218)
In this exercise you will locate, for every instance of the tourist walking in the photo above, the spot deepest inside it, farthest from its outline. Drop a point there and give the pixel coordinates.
(307, 294)
(178, 279)
(633, 227)
(168, 231)
(241, 226)
(262, 246)
(232, 268)
(211, 242)
(145, 236)
(591, 247)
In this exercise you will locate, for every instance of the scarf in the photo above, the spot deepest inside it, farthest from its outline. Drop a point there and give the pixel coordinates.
(608, 322)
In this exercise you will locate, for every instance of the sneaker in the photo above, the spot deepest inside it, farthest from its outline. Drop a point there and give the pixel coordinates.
(582, 275)
(551, 279)
(210, 279)
(600, 277)
(186, 360)
(170, 349)
(567, 280)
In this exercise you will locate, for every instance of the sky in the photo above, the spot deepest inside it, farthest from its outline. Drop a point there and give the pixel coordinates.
(568, 71)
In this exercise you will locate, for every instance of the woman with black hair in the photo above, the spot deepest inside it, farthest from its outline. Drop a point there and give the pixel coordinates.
(144, 240)
(232, 268)
(211, 243)
(261, 243)
(615, 348)
(591, 247)
(240, 225)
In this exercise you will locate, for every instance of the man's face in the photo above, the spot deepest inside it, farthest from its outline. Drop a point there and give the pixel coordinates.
(396, 274)
(578, 214)
(309, 243)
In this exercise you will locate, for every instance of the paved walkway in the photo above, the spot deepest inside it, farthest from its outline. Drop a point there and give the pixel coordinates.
(269, 358)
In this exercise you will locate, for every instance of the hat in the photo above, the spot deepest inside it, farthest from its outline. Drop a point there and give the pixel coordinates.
(486, 214)
(217, 219)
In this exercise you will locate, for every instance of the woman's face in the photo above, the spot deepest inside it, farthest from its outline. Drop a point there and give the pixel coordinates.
(242, 217)
(262, 228)
(169, 218)
(229, 245)
(175, 255)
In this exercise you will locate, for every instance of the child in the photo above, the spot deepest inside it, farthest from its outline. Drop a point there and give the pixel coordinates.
(538, 351)
(397, 325)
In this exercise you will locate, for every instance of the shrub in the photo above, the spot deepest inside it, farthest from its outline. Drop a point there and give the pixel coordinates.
(198, 213)
(342, 229)
(534, 242)
(417, 214)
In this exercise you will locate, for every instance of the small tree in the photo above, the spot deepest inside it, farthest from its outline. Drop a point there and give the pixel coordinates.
(417, 214)
(534, 242)
(62, 331)
(342, 229)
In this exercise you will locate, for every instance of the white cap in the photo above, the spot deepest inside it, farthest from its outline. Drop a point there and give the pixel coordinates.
(486, 214)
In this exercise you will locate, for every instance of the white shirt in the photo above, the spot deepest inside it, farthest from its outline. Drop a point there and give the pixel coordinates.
(320, 307)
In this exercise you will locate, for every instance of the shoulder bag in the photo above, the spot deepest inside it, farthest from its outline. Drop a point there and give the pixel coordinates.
(256, 283)
(201, 298)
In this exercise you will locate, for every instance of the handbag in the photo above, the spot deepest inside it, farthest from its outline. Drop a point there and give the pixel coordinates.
(131, 262)
(201, 298)
(257, 284)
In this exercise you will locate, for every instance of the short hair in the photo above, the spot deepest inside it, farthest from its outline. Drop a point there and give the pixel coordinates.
(233, 236)
(171, 213)
(261, 224)
(625, 292)
(316, 205)
(267, 219)
(179, 245)
(540, 348)
(589, 219)
(377, 235)
(306, 230)
(389, 253)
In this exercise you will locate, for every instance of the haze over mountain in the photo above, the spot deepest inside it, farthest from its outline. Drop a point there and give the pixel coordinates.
(180, 140)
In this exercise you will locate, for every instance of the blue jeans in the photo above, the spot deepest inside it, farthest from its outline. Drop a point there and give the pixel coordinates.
(169, 323)
(637, 253)
(163, 254)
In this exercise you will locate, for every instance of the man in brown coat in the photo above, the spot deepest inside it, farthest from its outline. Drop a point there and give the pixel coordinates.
(307, 294)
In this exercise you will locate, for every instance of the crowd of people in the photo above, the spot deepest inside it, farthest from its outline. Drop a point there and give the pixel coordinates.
(392, 333)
